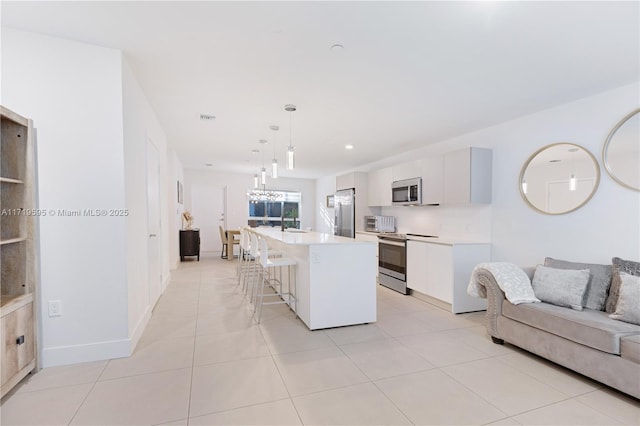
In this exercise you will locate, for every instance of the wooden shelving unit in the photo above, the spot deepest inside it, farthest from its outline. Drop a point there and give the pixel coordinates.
(18, 277)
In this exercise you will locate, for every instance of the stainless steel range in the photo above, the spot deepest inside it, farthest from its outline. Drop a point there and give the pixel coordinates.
(392, 261)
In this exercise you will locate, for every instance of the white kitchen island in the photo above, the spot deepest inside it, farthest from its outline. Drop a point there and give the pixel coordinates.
(335, 276)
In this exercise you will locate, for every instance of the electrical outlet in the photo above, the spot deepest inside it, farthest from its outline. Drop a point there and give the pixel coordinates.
(55, 308)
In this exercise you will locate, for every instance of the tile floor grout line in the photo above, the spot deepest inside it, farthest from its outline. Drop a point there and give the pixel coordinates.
(284, 383)
(372, 381)
(441, 369)
(227, 410)
(193, 357)
(93, 385)
(497, 357)
(392, 402)
(575, 398)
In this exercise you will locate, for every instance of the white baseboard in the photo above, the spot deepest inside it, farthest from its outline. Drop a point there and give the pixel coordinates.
(99, 351)
(139, 329)
(74, 354)
(165, 281)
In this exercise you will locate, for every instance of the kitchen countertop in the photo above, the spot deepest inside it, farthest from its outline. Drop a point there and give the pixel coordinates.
(445, 240)
(306, 237)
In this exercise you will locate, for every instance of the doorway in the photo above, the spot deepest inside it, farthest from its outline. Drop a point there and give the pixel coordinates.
(208, 209)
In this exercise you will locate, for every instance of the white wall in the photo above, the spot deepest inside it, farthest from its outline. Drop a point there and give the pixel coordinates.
(73, 92)
(324, 215)
(607, 226)
(93, 122)
(236, 187)
(140, 128)
(176, 173)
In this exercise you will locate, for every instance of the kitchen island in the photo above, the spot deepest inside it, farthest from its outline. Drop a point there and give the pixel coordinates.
(335, 276)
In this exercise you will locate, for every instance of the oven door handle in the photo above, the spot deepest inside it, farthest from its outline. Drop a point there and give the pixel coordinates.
(392, 243)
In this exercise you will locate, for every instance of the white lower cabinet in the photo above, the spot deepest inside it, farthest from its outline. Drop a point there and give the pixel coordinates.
(361, 236)
(442, 272)
(417, 266)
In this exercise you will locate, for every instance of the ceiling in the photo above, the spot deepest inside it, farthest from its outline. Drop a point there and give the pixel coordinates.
(410, 73)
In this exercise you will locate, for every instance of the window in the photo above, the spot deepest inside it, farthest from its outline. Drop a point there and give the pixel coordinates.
(272, 213)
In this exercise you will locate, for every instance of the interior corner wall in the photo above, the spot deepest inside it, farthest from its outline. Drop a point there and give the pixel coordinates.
(73, 93)
(176, 174)
(325, 215)
(141, 127)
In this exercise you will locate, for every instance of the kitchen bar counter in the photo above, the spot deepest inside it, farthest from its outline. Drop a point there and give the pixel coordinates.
(299, 237)
(336, 276)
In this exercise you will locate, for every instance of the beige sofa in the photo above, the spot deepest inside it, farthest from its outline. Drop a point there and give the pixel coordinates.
(586, 341)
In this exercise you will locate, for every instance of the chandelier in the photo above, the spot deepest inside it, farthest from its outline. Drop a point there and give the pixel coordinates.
(256, 195)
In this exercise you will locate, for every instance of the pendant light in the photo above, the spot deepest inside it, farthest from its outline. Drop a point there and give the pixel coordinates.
(290, 154)
(274, 162)
(263, 172)
(255, 175)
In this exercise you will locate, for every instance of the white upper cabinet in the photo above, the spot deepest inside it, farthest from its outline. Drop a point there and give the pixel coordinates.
(408, 170)
(379, 188)
(346, 181)
(467, 176)
(431, 172)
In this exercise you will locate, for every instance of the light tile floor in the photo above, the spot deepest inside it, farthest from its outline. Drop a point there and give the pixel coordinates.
(202, 360)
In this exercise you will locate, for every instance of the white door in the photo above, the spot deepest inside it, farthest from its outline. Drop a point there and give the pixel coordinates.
(207, 205)
(154, 225)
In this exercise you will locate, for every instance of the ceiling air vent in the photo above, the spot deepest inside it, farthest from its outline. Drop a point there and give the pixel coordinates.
(207, 117)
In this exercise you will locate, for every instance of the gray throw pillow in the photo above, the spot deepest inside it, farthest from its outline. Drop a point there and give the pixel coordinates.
(628, 306)
(561, 287)
(599, 283)
(619, 265)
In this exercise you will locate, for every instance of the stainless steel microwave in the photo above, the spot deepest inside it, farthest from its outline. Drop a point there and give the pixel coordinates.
(406, 192)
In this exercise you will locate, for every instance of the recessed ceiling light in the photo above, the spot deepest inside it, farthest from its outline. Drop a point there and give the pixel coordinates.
(255, 151)
(555, 161)
(573, 149)
(348, 146)
(208, 164)
(337, 47)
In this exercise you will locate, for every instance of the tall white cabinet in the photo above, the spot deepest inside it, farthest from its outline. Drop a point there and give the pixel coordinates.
(18, 256)
(467, 176)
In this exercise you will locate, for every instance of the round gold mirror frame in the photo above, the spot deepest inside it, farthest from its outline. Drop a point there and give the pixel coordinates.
(605, 150)
(535, 154)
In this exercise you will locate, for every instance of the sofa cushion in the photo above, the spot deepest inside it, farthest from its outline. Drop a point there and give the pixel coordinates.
(630, 348)
(599, 282)
(619, 265)
(562, 287)
(588, 327)
(628, 305)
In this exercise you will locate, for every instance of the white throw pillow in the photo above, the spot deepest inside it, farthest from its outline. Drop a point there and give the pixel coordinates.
(628, 306)
(561, 287)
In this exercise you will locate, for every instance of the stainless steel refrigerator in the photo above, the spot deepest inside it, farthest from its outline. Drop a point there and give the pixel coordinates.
(345, 215)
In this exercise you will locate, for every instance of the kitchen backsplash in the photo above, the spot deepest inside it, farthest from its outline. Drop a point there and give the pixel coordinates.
(473, 222)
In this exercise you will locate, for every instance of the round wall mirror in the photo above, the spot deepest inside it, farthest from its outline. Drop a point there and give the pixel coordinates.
(559, 178)
(621, 151)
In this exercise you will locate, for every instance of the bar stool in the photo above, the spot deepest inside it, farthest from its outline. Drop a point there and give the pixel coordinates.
(252, 270)
(243, 256)
(267, 264)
